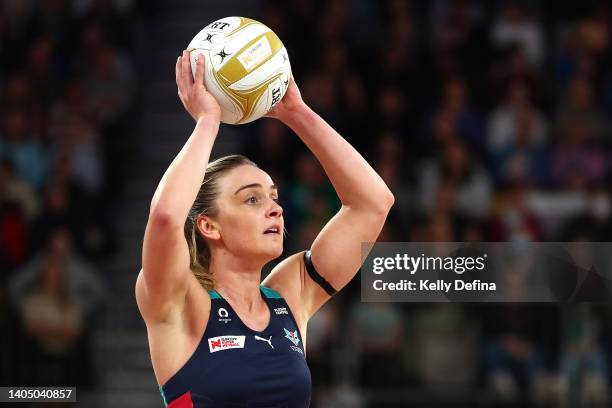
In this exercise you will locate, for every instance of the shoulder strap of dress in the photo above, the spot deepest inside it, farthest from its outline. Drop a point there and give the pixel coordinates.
(214, 294)
(270, 293)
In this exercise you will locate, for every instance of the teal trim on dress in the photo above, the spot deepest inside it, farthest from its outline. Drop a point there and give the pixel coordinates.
(161, 391)
(214, 295)
(270, 293)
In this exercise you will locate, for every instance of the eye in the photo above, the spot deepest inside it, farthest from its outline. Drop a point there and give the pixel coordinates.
(275, 199)
(252, 200)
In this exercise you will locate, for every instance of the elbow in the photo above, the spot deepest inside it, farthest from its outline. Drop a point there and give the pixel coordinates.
(389, 199)
(381, 205)
(378, 204)
(384, 202)
(163, 219)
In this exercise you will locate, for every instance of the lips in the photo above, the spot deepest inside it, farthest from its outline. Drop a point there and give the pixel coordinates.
(275, 229)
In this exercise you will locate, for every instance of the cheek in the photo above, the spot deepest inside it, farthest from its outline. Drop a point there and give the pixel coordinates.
(240, 229)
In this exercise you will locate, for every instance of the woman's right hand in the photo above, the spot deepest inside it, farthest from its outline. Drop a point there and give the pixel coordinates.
(196, 99)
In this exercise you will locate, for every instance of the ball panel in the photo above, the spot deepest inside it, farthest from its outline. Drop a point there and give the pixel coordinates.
(226, 25)
(217, 38)
(234, 70)
(274, 65)
(228, 48)
(257, 99)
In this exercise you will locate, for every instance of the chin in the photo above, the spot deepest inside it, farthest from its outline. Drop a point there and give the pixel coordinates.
(274, 251)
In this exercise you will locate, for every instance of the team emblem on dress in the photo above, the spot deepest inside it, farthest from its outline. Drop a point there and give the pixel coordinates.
(292, 336)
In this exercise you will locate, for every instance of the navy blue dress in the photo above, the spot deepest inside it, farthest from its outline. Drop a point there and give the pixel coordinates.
(235, 366)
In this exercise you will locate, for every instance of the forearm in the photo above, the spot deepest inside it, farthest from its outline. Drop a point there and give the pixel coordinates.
(355, 181)
(180, 184)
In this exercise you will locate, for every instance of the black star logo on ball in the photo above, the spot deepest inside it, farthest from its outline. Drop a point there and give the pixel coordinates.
(222, 54)
(209, 37)
(285, 57)
(287, 82)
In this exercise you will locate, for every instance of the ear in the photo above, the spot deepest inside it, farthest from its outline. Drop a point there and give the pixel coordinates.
(208, 228)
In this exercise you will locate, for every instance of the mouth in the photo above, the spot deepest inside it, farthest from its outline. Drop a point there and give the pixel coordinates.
(275, 230)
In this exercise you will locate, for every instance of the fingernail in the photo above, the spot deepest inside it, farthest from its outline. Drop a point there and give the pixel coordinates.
(184, 51)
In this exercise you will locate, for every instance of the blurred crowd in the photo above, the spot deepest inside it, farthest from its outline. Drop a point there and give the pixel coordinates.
(67, 87)
(490, 122)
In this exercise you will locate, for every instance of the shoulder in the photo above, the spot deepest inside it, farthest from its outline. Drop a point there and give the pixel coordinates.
(287, 279)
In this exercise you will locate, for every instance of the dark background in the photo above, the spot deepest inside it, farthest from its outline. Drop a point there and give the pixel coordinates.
(488, 120)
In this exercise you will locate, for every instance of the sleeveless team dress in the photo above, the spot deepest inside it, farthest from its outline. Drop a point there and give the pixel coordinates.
(235, 366)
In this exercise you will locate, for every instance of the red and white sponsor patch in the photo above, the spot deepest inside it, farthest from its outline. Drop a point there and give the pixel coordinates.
(225, 342)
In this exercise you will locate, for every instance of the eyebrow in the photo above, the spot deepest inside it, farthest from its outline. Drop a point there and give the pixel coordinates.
(254, 185)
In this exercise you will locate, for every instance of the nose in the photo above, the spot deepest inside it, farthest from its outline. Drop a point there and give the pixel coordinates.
(275, 210)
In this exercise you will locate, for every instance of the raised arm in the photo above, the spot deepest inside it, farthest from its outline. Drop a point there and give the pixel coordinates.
(366, 200)
(162, 281)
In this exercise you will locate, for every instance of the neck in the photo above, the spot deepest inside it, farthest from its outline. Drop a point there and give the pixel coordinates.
(235, 279)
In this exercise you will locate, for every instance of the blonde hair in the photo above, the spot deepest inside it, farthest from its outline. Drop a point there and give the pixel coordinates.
(205, 204)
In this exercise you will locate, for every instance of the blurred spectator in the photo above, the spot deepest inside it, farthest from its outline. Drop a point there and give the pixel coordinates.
(525, 160)
(455, 104)
(515, 360)
(515, 25)
(17, 191)
(583, 47)
(515, 118)
(514, 221)
(584, 369)
(322, 335)
(455, 167)
(53, 319)
(82, 146)
(109, 83)
(595, 223)
(578, 160)
(58, 212)
(55, 294)
(270, 148)
(392, 108)
(579, 106)
(15, 199)
(444, 338)
(81, 281)
(312, 198)
(377, 331)
(25, 150)
(554, 208)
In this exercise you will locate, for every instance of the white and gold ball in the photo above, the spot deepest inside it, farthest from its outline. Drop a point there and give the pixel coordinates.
(247, 67)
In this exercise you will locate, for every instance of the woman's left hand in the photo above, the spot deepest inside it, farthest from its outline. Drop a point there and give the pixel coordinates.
(290, 104)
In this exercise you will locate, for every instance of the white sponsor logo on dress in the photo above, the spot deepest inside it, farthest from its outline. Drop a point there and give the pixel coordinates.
(280, 310)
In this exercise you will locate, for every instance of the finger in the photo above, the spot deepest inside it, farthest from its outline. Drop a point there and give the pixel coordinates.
(177, 71)
(188, 76)
(199, 75)
(182, 81)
